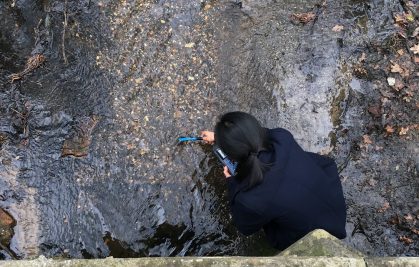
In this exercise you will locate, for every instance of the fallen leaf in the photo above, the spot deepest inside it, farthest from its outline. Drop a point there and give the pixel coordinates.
(372, 182)
(375, 110)
(400, 52)
(400, 19)
(189, 45)
(394, 220)
(391, 81)
(378, 148)
(414, 230)
(408, 217)
(131, 146)
(396, 68)
(409, 16)
(403, 130)
(367, 139)
(207, 7)
(416, 59)
(406, 240)
(337, 28)
(399, 85)
(415, 49)
(389, 129)
(303, 17)
(385, 207)
(363, 56)
(415, 32)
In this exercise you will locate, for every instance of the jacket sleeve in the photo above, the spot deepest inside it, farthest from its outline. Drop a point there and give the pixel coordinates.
(247, 221)
(326, 163)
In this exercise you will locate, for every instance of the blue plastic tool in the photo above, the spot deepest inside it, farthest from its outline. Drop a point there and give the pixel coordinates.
(189, 138)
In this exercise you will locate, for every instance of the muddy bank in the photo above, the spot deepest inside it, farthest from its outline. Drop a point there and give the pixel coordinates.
(122, 80)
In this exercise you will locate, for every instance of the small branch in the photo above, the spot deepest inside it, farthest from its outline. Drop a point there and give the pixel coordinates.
(18, 113)
(64, 28)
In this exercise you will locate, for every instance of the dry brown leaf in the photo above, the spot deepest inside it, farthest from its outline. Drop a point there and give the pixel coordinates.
(399, 85)
(363, 57)
(33, 62)
(367, 139)
(396, 68)
(131, 146)
(403, 130)
(337, 28)
(303, 17)
(375, 110)
(408, 217)
(415, 49)
(389, 129)
(414, 230)
(400, 19)
(400, 52)
(406, 240)
(385, 207)
(395, 220)
(415, 32)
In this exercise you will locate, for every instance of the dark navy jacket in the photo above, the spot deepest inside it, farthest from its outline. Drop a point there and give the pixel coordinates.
(300, 192)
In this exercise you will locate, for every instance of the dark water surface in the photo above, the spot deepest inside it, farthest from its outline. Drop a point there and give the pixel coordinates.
(148, 72)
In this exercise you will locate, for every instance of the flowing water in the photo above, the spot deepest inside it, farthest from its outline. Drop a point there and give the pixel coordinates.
(122, 80)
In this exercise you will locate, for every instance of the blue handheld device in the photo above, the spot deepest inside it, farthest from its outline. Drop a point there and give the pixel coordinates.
(222, 157)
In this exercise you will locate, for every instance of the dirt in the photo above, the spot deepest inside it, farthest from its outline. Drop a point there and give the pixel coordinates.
(89, 166)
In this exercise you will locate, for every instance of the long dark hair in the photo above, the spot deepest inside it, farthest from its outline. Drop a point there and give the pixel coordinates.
(241, 137)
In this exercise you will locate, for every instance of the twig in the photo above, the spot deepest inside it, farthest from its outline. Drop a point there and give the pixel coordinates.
(18, 113)
(64, 28)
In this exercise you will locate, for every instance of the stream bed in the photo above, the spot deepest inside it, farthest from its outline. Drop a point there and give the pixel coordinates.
(89, 164)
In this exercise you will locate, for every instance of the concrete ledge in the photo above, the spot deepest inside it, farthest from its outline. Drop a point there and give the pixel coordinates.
(316, 249)
(286, 261)
(321, 243)
(193, 262)
(393, 262)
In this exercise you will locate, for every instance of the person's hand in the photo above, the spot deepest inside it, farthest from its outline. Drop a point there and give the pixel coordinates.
(208, 137)
(226, 172)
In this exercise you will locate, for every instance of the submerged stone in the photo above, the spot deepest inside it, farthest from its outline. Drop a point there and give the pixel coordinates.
(78, 143)
(6, 227)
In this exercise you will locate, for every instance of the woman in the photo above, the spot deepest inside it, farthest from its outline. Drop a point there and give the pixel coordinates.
(277, 186)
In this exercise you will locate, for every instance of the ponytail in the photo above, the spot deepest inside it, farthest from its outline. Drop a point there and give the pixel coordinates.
(241, 137)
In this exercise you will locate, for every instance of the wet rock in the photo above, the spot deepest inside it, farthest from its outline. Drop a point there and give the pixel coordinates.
(6, 227)
(78, 144)
(6, 126)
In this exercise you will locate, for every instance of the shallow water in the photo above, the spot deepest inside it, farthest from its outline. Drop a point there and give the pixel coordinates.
(151, 71)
